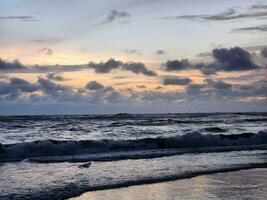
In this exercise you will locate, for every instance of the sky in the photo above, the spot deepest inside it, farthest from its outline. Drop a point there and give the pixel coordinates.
(137, 56)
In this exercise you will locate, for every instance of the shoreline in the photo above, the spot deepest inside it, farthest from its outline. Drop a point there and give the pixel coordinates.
(143, 190)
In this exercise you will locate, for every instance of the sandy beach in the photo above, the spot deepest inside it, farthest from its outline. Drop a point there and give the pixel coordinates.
(244, 184)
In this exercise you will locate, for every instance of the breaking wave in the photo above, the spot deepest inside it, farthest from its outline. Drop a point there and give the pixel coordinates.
(126, 149)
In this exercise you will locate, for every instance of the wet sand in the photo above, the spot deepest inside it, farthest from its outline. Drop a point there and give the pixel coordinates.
(244, 184)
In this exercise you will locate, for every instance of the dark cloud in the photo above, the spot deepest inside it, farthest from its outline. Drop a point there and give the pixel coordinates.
(258, 7)
(217, 84)
(159, 88)
(211, 91)
(56, 68)
(113, 96)
(141, 86)
(204, 54)
(247, 77)
(176, 80)
(55, 77)
(16, 66)
(120, 77)
(51, 88)
(132, 51)
(102, 67)
(22, 85)
(138, 68)
(230, 14)
(111, 64)
(46, 51)
(233, 59)
(44, 90)
(264, 52)
(194, 89)
(155, 97)
(46, 40)
(219, 91)
(105, 67)
(26, 18)
(94, 85)
(15, 86)
(11, 66)
(96, 93)
(114, 15)
(262, 28)
(160, 52)
(208, 91)
(228, 60)
(177, 65)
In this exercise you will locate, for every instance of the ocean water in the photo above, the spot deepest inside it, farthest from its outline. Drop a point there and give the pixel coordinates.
(46, 157)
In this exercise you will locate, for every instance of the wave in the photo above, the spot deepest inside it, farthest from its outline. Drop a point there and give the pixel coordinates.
(190, 142)
(158, 122)
(139, 154)
(215, 129)
(262, 115)
(174, 121)
(255, 120)
(73, 189)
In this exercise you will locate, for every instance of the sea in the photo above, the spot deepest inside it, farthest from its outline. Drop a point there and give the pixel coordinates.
(63, 156)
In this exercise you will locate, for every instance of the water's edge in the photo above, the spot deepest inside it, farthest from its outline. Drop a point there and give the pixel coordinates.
(71, 190)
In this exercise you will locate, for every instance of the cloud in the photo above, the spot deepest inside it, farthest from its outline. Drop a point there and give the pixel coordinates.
(102, 67)
(138, 68)
(51, 88)
(157, 97)
(114, 15)
(177, 65)
(160, 52)
(262, 28)
(15, 86)
(176, 80)
(25, 18)
(204, 54)
(228, 60)
(213, 90)
(159, 88)
(111, 64)
(55, 68)
(141, 86)
(55, 77)
(49, 40)
(225, 59)
(132, 51)
(16, 66)
(45, 92)
(105, 67)
(264, 52)
(217, 84)
(230, 14)
(233, 59)
(194, 89)
(11, 66)
(120, 77)
(94, 85)
(46, 51)
(258, 7)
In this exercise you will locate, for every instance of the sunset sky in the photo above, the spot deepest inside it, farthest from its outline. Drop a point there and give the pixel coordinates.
(138, 56)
